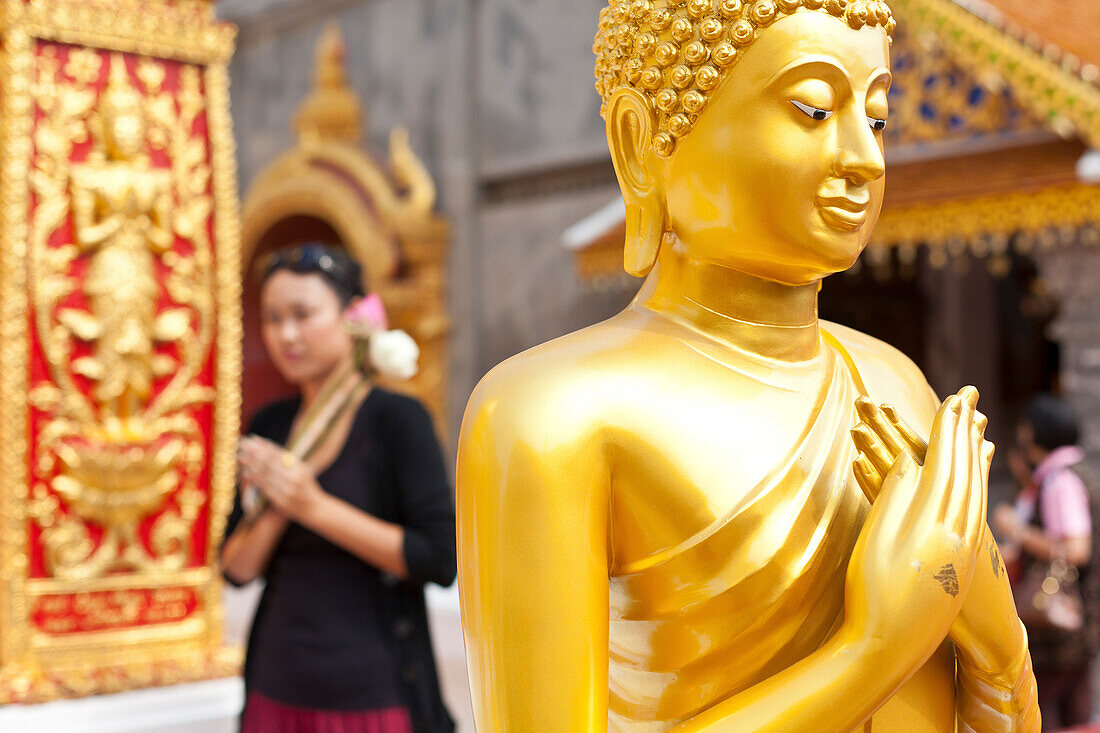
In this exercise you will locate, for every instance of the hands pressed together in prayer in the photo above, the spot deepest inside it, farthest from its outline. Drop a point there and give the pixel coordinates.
(289, 484)
(912, 565)
(942, 486)
(295, 495)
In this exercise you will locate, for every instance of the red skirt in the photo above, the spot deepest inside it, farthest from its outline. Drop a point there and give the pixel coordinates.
(264, 715)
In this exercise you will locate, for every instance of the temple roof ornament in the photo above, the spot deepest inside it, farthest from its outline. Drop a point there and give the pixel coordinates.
(1054, 85)
(332, 111)
(329, 175)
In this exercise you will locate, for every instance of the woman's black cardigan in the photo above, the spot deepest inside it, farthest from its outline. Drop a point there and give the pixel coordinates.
(393, 468)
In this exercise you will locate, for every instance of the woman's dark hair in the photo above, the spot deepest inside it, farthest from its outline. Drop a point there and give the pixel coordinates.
(333, 264)
(1053, 424)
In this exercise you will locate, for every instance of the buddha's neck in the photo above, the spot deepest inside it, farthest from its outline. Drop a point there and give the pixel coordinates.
(761, 316)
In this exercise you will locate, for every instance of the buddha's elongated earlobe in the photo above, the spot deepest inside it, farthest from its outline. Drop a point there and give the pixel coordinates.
(630, 125)
(645, 229)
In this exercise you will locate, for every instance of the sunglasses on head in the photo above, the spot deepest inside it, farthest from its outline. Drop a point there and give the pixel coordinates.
(315, 258)
(302, 258)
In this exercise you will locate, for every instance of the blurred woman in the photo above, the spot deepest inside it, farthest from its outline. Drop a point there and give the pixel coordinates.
(348, 537)
(1049, 532)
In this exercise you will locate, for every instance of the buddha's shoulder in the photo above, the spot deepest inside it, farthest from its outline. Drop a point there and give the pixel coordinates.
(890, 375)
(568, 381)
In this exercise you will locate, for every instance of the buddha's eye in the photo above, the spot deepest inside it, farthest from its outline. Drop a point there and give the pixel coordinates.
(876, 123)
(814, 112)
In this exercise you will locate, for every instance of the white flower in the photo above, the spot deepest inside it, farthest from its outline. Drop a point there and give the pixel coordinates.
(394, 354)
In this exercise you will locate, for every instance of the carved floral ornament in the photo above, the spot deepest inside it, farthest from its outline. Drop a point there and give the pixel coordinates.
(989, 229)
(675, 51)
(184, 29)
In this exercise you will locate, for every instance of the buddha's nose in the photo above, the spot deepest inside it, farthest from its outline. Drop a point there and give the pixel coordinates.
(859, 156)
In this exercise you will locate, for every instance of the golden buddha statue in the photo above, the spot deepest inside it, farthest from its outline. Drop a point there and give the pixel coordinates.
(666, 521)
(121, 209)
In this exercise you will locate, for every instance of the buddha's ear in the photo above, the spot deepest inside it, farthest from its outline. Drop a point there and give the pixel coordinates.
(630, 127)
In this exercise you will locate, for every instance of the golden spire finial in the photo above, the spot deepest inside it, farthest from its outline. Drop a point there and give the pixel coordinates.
(332, 111)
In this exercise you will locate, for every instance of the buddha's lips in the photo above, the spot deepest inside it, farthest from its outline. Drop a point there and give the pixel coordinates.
(841, 212)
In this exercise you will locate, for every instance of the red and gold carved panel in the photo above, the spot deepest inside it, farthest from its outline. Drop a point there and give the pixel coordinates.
(119, 325)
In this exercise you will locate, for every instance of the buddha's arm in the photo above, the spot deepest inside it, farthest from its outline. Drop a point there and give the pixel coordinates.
(533, 573)
(835, 689)
(1005, 701)
(995, 684)
(804, 697)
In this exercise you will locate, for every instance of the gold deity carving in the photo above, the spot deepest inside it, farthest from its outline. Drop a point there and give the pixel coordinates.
(120, 206)
(115, 450)
(714, 512)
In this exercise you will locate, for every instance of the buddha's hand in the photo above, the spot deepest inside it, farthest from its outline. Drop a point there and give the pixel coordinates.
(913, 562)
(986, 628)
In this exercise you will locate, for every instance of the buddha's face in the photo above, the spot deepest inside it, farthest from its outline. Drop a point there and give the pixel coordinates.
(782, 175)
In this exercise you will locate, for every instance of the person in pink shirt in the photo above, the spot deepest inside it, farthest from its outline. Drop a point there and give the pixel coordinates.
(1054, 517)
